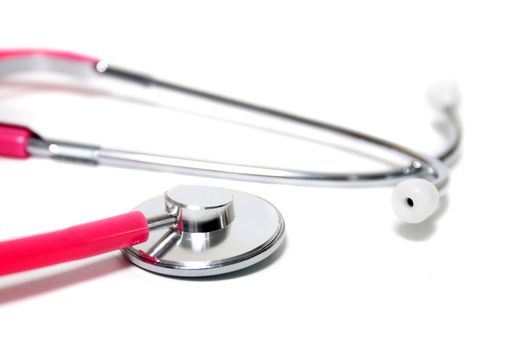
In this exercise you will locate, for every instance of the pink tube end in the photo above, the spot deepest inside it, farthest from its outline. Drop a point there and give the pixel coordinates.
(17, 53)
(14, 141)
(73, 243)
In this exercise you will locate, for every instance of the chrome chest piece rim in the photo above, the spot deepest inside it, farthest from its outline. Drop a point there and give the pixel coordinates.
(198, 231)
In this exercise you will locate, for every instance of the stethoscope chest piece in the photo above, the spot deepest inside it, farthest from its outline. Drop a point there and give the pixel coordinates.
(198, 231)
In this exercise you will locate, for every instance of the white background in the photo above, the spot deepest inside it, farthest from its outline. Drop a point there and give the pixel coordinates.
(350, 275)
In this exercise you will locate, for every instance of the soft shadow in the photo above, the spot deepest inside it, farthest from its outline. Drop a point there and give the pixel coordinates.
(422, 231)
(106, 266)
(61, 280)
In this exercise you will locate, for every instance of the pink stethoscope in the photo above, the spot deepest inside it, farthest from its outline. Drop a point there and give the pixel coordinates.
(193, 231)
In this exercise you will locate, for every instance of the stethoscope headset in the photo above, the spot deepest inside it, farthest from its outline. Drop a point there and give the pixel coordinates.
(193, 231)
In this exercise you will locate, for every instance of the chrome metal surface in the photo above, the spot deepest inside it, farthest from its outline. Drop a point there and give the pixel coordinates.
(42, 63)
(203, 231)
(60, 150)
(431, 168)
(451, 151)
(200, 211)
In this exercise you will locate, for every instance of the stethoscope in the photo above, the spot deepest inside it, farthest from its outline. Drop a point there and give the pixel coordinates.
(193, 231)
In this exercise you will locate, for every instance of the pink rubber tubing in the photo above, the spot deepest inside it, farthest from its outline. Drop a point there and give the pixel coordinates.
(14, 141)
(19, 53)
(73, 243)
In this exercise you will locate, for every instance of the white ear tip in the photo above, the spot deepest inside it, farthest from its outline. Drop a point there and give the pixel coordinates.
(444, 94)
(414, 200)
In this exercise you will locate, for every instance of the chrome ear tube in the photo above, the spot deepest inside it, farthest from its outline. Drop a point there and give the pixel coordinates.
(418, 184)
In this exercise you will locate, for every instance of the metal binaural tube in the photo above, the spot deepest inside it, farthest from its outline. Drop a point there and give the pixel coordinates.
(430, 168)
(425, 166)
